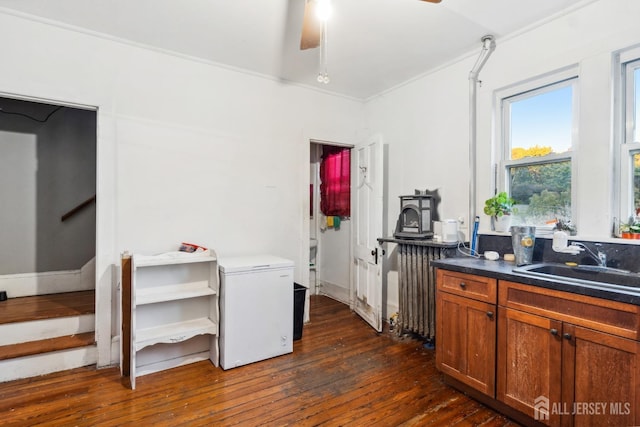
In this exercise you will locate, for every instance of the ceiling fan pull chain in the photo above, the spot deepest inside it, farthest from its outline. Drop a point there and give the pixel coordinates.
(323, 76)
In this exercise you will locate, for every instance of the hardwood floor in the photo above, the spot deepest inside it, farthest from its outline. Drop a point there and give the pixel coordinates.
(342, 373)
(41, 307)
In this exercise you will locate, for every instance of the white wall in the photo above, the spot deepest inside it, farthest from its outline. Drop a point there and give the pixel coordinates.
(191, 151)
(18, 166)
(425, 122)
(334, 269)
(66, 177)
(187, 151)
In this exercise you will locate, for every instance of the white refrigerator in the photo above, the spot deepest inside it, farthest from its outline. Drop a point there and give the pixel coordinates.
(256, 309)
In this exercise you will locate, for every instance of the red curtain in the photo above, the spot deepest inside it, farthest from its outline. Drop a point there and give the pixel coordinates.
(335, 177)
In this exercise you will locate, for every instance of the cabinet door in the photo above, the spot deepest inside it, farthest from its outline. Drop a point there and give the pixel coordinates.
(466, 338)
(529, 363)
(601, 378)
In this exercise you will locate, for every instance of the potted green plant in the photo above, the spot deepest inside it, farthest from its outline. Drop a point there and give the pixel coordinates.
(631, 229)
(499, 208)
(625, 231)
(566, 226)
(634, 228)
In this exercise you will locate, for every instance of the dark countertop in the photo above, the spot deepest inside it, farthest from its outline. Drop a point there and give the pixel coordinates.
(503, 270)
(418, 242)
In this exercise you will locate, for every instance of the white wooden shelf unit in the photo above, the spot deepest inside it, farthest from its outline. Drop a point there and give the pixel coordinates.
(174, 311)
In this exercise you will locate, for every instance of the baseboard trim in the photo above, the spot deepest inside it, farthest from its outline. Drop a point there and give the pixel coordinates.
(334, 291)
(49, 282)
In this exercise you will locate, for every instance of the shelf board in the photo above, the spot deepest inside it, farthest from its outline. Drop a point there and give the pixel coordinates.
(165, 293)
(174, 332)
(170, 259)
(171, 363)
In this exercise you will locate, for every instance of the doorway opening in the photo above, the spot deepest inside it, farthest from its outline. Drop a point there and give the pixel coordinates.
(330, 234)
(48, 187)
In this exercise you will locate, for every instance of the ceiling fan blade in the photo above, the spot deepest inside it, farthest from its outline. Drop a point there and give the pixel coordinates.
(433, 1)
(310, 27)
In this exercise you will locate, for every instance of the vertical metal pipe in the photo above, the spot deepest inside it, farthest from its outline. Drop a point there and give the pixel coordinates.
(403, 281)
(488, 46)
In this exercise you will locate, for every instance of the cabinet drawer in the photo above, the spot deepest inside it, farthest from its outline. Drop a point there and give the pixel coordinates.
(467, 285)
(614, 317)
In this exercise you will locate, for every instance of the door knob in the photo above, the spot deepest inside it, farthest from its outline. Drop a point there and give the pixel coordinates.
(553, 331)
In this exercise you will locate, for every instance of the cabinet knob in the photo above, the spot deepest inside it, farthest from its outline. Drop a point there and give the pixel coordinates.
(567, 336)
(490, 314)
(463, 285)
(553, 331)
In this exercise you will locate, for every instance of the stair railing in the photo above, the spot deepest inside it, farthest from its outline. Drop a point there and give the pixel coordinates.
(78, 208)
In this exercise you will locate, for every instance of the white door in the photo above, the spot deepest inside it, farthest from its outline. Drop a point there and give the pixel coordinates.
(366, 183)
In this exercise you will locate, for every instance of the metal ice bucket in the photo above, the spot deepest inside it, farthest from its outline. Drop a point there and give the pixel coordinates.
(523, 239)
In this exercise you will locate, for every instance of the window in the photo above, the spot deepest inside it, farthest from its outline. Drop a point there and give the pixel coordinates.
(538, 122)
(630, 146)
(635, 164)
(335, 177)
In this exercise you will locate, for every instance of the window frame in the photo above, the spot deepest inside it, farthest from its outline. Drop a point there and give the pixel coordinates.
(568, 76)
(625, 61)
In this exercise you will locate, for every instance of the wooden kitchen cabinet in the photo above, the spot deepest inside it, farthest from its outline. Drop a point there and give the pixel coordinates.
(604, 368)
(466, 329)
(529, 361)
(567, 359)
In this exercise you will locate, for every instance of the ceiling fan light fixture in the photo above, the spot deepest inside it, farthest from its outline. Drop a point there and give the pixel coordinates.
(323, 10)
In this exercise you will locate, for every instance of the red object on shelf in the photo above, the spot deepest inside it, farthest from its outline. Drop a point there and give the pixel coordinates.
(190, 247)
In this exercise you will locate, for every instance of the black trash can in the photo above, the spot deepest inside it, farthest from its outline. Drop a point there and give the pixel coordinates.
(299, 294)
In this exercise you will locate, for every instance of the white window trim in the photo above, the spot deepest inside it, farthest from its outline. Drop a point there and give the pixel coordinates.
(540, 84)
(624, 131)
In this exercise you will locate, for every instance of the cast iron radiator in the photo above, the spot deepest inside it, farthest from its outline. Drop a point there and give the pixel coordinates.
(417, 287)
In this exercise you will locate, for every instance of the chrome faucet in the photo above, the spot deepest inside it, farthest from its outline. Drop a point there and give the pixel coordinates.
(600, 258)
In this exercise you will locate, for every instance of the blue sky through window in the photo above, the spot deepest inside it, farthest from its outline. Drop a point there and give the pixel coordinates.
(544, 119)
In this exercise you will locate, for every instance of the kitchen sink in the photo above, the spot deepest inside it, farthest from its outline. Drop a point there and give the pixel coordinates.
(589, 275)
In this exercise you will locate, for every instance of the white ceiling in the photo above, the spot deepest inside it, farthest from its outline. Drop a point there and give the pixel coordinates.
(373, 44)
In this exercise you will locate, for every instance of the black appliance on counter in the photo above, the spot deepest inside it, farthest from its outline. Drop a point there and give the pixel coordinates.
(417, 213)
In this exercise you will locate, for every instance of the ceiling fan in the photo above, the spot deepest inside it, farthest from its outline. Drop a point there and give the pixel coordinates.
(312, 26)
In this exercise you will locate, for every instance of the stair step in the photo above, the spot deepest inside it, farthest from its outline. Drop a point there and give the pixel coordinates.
(47, 345)
(24, 309)
(46, 363)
